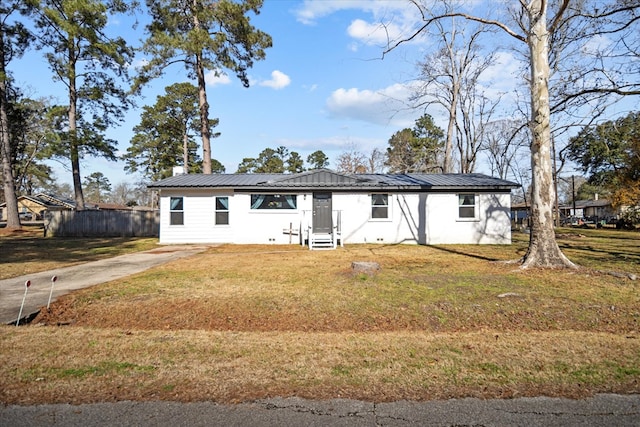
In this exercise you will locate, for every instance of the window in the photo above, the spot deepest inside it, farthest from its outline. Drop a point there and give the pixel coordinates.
(273, 201)
(176, 211)
(466, 206)
(222, 211)
(379, 206)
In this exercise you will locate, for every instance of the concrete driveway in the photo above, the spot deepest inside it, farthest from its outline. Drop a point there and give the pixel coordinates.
(12, 290)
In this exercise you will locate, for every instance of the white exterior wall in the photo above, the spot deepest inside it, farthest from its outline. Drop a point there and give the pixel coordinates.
(491, 225)
(245, 225)
(413, 218)
(359, 227)
(425, 219)
(199, 214)
(264, 226)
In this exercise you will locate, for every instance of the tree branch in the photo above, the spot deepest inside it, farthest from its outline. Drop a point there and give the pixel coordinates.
(466, 16)
(556, 21)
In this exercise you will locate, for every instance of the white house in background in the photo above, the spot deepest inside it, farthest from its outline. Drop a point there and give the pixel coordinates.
(323, 209)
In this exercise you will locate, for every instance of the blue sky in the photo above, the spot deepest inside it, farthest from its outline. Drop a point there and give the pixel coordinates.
(323, 85)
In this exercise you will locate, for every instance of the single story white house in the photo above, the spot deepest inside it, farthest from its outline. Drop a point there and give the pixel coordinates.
(323, 209)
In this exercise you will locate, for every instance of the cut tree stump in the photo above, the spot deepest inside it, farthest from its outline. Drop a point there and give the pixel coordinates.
(365, 267)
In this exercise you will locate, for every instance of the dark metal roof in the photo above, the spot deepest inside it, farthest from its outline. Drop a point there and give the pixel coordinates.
(581, 204)
(214, 180)
(330, 180)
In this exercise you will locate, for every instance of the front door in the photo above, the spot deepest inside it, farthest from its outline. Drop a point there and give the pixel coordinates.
(322, 213)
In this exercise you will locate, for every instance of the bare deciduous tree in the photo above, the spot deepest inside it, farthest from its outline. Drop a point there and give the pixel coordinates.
(376, 159)
(536, 24)
(476, 112)
(351, 161)
(449, 78)
(503, 142)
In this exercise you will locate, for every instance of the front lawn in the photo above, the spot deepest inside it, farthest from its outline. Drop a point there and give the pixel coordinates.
(236, 323)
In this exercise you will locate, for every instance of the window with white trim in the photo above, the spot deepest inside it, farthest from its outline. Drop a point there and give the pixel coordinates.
(176, 211)
(222, 210)
(274, 201)
(379, 206)
(467, 206)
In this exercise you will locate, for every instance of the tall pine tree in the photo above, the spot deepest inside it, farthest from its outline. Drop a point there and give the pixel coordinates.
(205, 35)
(164, 137)
(89, 63)
(13, 39)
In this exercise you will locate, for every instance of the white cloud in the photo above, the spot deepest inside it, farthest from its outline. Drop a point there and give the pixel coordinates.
(596, 45)
(373, 33)
(279, 80)
(214, 78)
(388, 106)
(139, 63)
(312, 10)
(505, 72)
(382, 23)
(310, 88)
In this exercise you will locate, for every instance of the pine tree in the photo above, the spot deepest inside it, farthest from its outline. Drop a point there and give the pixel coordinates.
(205, 35)
(89, 63)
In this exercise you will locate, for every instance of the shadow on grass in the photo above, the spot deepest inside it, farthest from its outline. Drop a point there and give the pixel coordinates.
(614, 254)
(451, 250)
(30, 247)
(456, 251)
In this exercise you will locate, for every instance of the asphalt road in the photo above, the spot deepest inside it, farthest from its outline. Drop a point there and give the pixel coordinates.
(601, 410)
(12, 291)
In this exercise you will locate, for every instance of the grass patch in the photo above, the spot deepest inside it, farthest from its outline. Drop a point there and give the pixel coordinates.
(177, 365)
(27, 251)
(103, 368)
(236, 323)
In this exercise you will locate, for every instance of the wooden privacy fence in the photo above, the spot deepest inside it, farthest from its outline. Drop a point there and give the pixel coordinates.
(102, 223)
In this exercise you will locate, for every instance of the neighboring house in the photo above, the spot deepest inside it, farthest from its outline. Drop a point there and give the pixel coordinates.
(32, 207)
(520, 213)
(323, 209)
(597, 208)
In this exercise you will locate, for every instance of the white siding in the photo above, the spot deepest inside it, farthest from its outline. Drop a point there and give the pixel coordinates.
(199, 216)
(492, 224)
(262, 226)
(413, 218)
(245, 225)
(359, 227)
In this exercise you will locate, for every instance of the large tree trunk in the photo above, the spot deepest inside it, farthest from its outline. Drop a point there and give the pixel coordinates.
(204, 118)
(543, 249)
(204, 105)
(185, 151)
(13, 217)
(447, 166)
(74, 149)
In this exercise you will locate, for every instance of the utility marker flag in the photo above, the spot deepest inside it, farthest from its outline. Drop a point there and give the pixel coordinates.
(53, 281)
(26, 288)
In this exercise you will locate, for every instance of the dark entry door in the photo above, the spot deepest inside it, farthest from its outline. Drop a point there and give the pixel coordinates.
(322, 213)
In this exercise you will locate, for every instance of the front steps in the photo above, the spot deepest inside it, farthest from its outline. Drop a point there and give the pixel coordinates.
(321, 241)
